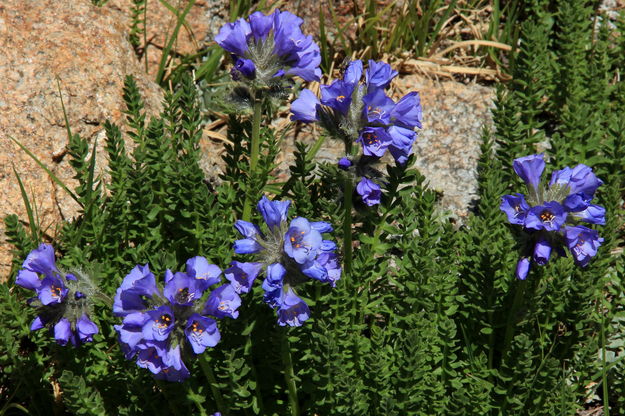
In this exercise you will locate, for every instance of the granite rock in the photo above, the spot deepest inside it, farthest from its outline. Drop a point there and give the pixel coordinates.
(85, 49)
(202, 23)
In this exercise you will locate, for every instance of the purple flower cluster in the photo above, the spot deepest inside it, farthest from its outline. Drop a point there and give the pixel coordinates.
(360, 111)
(62, 300)
(290, 253)
(160, 327)
(551, 214)
(267, 47)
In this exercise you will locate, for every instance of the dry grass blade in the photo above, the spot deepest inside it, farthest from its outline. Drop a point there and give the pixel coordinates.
(218, 136)
(468, 43)
(448, 71)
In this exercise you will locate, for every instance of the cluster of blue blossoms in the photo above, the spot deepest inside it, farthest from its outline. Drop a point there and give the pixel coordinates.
(267, 48)
(163, 325)
(62, 299)
(290, 253)
(358, 111)
(551, 214)
(160, 327)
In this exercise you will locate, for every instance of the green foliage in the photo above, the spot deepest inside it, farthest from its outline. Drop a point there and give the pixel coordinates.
(138, 25)
(80, 398)
(431, 321)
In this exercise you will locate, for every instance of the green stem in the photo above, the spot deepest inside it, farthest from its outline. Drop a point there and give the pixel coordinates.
(512, 321)
(604, 375)
(145, 35)
(212, 382)
(163, 387)
(254, 153)
(289, 374)
(259, 395)
(347, 226)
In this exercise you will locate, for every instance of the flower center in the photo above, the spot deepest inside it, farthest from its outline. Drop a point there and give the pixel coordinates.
(296, 240)
(377, 111)
(183, 295)
(55, 291)
(547, 216)
(195, 327)
(152, 355)
(164, 321)
(371, 139)
(340, 98)
(224, 306)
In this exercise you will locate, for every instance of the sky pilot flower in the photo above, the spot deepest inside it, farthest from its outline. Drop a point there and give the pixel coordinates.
(289, 253)
(161, 326)
(63, 300)
(265, 48)
(551, 213)
(357, 110)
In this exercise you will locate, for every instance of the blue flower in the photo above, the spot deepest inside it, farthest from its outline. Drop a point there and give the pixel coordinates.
(63, 301)
(515, 207)
(369, 191)
(274, 212)
(522, 268)
(233, 37)
(374, 141)
(402, 140)
(407, 112)
(51, 290)
(550, 213)
(156, 323)
(86, 329)
(270, 46)
(204, 273)
(344, 163)
(40, 261)
(242, 275)
(542, 251)
(379, 74)
(325, 268)
(530, 168)
(183, 289)
(549, 216)
(159, 324)
(360, 111)
(290, 253)
(201, 332)
(352, 109)
(243, 68)
(580, 179)
(137, 288)
(592, 214)
(301, 241)
(292, 310)
(337, 95)
(583, 243)
(353, 72)
(378, 107)
(305, 107)
(223, 301)
(63, 332)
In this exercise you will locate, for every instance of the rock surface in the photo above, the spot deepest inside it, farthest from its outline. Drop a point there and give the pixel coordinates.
(86, 49)
(202, 23)
(448, 147)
